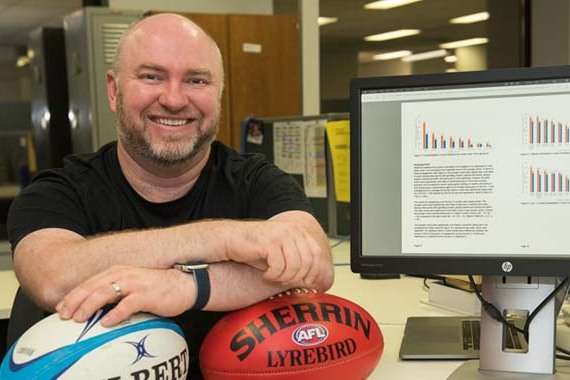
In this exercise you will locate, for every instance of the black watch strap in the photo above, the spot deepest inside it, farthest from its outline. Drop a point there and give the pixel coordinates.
(202, 279)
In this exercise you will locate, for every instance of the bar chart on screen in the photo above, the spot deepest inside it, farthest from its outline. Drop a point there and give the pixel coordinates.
(540, 132)
(545, 182)
(433, 140)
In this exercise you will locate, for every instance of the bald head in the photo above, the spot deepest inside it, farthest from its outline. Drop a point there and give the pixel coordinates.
(166, 90)
(165, 26)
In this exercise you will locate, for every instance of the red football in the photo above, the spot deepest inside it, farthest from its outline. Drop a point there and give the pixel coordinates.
(295, 335)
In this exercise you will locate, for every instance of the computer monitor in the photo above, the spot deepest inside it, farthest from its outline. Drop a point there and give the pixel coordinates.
(467, 173)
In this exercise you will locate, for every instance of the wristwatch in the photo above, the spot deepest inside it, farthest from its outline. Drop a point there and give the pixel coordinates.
(202, 279)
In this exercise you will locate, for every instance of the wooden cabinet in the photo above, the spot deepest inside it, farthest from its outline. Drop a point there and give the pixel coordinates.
(265, 83)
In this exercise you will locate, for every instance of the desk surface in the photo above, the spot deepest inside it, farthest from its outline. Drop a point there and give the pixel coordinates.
(8, 282)
(4, 247)
(389, 301)
(8, 286)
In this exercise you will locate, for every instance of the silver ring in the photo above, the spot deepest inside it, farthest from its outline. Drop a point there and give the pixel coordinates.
(116, 289)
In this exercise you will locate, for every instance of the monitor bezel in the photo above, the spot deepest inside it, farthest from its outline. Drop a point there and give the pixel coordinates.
(547, 265)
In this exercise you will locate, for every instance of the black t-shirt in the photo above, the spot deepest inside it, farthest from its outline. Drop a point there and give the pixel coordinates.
(90, 195)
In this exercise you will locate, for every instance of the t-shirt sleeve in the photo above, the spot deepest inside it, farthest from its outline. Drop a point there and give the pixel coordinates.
(274, 191)
(50, 201)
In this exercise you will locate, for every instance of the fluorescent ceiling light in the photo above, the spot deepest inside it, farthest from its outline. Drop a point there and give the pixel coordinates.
(450, 59)
(391, 55)
(22, 61)
(387, 4)
(327, 20)
(392, 35)
(464, 43)
(470, 19)
(426, 55)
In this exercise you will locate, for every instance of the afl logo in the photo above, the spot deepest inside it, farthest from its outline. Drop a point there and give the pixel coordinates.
(310, 334)
(507, 266)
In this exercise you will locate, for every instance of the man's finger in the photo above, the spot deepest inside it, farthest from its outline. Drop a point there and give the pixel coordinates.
(276, 265)
(306, 257)
(122, 311)
(68, 306)
(292, 258)
(315, 270)
(102, 296)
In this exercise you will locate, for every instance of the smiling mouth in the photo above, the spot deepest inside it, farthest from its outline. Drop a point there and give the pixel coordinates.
(170, 122)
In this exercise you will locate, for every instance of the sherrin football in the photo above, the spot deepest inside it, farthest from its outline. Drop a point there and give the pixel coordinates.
(145, 347)
(299, 334)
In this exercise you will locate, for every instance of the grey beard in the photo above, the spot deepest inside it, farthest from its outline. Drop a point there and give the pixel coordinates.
(136, 143)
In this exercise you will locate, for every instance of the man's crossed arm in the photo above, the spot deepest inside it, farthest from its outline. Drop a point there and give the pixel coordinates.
(250, 260)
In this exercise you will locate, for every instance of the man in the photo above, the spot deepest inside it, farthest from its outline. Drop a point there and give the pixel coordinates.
(109, 227)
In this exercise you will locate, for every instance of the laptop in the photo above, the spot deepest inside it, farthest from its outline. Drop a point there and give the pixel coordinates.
(444, 338)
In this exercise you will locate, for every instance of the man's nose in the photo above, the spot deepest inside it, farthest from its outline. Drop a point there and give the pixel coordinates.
(173, 97)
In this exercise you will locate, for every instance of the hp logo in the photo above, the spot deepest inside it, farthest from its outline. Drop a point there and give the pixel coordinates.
(507, 266)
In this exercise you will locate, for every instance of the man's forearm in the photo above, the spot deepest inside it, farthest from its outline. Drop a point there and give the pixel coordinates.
(235, 285)
(290, 249)
(165, 292)
(51, 262)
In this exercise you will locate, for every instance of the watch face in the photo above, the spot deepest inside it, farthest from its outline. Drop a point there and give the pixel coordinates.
(190, 268)
(182, 267)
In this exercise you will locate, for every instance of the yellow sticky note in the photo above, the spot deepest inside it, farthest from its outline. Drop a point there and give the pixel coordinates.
(338, 134)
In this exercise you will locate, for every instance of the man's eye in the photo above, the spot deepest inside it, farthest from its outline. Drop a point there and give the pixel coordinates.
(200, 81)
(150, 77)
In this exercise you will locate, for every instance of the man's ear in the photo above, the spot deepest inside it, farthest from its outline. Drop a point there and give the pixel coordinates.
(112, 89)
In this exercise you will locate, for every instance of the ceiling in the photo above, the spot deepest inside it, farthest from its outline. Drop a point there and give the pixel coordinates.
(430, 16)
(19, 17)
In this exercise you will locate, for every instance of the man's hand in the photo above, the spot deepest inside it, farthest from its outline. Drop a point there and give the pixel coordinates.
(290, 248)
(164, 292)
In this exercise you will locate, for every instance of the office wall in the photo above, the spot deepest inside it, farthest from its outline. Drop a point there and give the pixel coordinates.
(471, 58)
(507, 28)
(391, 67)
(289, 7)
(308, 12)
(468, 59)
(338, 67)
(429, 66)
(16, 83)
(16, 116)
(199, 6)
(550, 37)
(310, 67)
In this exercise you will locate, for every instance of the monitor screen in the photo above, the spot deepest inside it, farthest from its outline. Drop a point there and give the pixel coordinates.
(461, 173)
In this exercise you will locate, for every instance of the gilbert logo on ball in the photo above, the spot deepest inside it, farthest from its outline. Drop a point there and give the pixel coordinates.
(296, 335)
(143, 348)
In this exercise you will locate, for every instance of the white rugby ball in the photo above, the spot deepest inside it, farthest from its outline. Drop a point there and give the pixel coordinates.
(143, 348)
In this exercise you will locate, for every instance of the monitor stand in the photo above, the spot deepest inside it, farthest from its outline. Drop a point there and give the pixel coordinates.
(505, 355)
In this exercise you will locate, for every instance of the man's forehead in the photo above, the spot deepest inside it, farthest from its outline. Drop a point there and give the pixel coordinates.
(162, 55)
(164, 36)
(181, 39)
